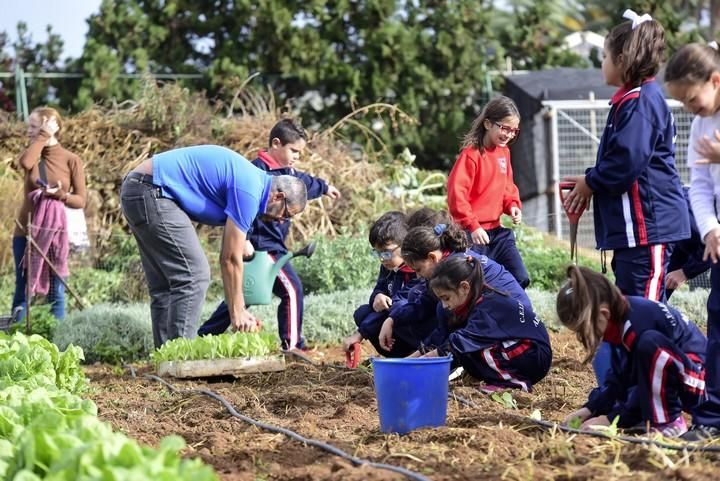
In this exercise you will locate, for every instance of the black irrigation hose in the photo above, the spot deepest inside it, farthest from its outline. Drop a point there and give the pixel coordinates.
(291, 434)
(599, 434)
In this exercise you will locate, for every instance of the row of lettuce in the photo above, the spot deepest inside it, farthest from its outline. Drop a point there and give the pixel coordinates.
(49, 432)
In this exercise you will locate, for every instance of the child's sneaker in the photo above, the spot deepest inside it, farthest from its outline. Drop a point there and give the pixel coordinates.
(491, 388)
(673, 429)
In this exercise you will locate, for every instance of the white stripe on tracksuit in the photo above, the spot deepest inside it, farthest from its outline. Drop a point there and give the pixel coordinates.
(627, 215)
(292, 328)
(487, 354)
(658, 267)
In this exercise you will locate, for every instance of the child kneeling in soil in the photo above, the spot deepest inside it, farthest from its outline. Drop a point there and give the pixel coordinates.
(657, 368)
(393, 284)
(493, 336)
(423, 248)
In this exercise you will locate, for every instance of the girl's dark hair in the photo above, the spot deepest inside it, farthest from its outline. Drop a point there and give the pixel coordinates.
(287, 131)
(694, 63)
(425, 216)
(496, 110)
(422, 240)
(642, 50)
(389, 228)
(449, 273)
(578, 305)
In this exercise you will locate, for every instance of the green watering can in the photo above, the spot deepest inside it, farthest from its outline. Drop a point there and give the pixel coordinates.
(260, 272)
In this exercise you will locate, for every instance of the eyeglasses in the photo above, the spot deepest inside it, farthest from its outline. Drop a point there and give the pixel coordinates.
(286, 213)
(385, 255)
(506, 129)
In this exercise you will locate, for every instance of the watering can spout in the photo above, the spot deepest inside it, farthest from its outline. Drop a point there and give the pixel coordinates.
(260, 272)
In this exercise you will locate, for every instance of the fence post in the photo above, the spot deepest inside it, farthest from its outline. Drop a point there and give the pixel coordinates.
(21, 94)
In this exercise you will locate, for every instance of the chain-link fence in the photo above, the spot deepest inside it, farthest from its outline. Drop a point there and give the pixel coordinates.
(576, 129)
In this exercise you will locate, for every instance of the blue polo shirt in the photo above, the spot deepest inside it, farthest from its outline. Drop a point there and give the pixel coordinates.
(212, 183)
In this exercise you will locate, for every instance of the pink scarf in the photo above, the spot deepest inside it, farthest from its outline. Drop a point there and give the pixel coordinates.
(49, 231)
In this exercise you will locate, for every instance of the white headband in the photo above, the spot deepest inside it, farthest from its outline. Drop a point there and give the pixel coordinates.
(636, 19)
(713, 45)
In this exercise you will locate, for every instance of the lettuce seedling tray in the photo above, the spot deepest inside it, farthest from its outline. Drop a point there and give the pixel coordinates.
(221, 367)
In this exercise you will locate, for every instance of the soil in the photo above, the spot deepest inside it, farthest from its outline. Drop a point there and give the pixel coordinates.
(330, 403)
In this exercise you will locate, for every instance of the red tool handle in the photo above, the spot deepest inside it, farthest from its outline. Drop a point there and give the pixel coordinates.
(566, 187)
(352, 357)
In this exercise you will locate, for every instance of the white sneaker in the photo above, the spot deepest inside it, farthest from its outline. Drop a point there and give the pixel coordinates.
(456, 373)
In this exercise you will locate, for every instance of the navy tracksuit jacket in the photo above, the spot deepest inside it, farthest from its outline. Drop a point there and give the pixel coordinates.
(657, 368)
(397, 285)
(499, 340)
(638, 202)
(270, 236)
(416, 318)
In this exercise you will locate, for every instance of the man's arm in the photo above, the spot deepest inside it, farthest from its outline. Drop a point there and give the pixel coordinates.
(231, 265)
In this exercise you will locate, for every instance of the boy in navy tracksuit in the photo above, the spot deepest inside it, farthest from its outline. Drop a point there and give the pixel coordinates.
(493, 336)
(395, 282)
(657, 368)
(287, 141)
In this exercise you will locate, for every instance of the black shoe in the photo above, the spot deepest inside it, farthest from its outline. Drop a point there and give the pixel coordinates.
(700, 432)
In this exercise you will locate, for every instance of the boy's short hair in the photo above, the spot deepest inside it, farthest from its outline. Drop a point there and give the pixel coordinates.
(287, 131)
(389, 228)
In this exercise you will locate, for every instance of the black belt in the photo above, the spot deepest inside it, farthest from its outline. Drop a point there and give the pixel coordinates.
(142, 178)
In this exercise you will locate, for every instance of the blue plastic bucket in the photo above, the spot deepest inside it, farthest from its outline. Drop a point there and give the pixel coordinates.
(411, 393)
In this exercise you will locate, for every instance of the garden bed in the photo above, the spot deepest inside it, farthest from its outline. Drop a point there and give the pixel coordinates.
(338, 406)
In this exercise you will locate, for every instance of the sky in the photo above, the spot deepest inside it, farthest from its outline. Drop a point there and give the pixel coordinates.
(67, 18)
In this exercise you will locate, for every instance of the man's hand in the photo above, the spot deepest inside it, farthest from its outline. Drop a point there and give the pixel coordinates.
(578, 198)
(582, 414)
(245, 323)
(248, 250)
(332, 192)
(479, 236)
(709, 149)
(381, 303)
(386, 337)
(712, 245)
(516, 214)
(50, 127)
(674, 279)
(353, 338)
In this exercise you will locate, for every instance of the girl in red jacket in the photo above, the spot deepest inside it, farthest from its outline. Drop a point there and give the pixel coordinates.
(481, 187)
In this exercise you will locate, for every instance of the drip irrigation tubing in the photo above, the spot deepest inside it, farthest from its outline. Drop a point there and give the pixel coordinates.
(549, 425)
(291, 434)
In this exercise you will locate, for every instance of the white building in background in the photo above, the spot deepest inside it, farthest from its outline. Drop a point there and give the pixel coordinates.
(583, 43)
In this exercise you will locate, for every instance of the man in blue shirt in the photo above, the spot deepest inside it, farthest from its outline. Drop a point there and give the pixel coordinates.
(211, 185)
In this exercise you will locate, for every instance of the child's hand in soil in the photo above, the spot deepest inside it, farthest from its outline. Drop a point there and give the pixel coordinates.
(581, 415)
(381, 303)
(353, 338)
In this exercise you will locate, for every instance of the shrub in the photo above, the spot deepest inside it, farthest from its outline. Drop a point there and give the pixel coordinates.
(108, 332)
(338, 264)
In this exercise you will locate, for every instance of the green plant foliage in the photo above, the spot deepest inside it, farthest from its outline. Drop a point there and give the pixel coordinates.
(504, 399)
(338, 264)
(109, 332)
(42, 322)
(223, 346)
(33, 361)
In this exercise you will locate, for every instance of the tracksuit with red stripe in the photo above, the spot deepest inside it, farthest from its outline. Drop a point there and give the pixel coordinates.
(499, 340)
(269, 236)
(638, 200)
(397, 285)
(657, 367)
(480, 190)
(416, 318)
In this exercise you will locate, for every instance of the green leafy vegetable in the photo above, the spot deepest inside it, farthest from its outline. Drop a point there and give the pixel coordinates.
(223, 346)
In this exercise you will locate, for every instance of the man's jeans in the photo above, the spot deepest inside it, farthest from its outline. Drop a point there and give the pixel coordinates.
(56, 296)
(175, 265)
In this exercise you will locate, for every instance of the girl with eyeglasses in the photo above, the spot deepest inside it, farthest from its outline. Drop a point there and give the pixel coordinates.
(481, 186)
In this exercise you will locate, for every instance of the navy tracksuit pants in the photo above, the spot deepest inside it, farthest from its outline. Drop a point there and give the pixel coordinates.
(502, 249)
(668, 382)
(708, 413)
(372, 322)
(515, 364)
(288, 288)
(639, 271)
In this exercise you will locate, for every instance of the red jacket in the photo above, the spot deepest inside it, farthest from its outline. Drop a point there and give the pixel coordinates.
(481, 188)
